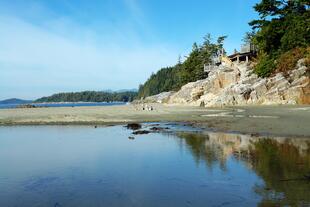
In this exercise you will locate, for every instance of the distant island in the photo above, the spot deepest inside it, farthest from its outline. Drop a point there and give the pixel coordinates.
(84, 96)
(15, 101)
(90, 96)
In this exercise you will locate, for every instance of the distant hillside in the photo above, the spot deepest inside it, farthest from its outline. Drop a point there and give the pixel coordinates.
(127, 90)
(15, 101)
(120, 90)
(90, 96)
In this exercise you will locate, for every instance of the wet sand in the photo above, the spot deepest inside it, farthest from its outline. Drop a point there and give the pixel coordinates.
(285, 120)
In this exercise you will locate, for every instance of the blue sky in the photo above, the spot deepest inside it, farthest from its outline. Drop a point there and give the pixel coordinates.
(72, 45)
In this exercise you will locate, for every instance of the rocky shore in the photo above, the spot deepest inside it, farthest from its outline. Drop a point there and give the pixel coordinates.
(236, 84)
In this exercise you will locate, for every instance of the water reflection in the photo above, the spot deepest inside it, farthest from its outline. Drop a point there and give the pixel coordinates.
(282, 163)
(85, 166)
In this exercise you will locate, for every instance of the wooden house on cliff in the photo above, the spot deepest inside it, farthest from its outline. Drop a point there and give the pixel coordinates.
(247, 52)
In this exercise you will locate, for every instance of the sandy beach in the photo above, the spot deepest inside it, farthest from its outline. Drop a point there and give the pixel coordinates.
(282, 120)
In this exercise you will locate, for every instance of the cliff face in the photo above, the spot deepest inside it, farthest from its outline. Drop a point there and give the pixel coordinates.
(237, 85)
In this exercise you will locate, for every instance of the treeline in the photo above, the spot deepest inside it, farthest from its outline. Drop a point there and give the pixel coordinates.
(282, 34)
(172, 78)
(90, 96)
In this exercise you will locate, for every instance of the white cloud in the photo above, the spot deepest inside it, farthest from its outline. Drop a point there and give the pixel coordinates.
(61, 55)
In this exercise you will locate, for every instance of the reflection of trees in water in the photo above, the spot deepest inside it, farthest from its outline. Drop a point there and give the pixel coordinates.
(201, 151)
(284, 170)
(282, 163)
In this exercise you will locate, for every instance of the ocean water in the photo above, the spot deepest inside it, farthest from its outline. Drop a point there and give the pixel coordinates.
(69, 104)
(72, 166)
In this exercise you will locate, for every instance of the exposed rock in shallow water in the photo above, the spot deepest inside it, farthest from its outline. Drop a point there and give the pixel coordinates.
(141, 132)
(159, 128)
(133, 126)
(26, 106)
(238, 85)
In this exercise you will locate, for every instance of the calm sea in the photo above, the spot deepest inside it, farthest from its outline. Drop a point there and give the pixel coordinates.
(72, 166)
(7, 106)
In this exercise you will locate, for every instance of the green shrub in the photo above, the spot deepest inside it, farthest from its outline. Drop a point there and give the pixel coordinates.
(268, 65)
(288, 60)
(265, 66)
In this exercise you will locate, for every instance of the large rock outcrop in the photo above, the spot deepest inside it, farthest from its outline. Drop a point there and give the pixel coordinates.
(238, 85)
(159, 98)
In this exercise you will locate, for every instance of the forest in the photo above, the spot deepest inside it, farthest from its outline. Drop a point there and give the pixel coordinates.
(90, 96)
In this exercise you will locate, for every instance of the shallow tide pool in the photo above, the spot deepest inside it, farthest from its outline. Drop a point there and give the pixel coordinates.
(70, 166)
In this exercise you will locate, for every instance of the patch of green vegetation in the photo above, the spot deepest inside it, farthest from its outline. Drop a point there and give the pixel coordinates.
(288, 60)
(281, 33)
(265, 65)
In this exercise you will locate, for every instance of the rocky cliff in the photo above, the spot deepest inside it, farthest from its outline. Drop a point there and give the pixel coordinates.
(236, 84)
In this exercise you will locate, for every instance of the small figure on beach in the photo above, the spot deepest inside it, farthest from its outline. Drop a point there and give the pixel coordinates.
(147, 107)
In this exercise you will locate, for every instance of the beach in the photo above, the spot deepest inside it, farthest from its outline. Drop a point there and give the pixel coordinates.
(282, 120)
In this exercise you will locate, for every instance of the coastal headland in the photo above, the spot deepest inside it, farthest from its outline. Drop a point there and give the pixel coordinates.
(275, 120)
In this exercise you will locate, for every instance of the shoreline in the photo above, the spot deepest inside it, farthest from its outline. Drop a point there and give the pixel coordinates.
(77, 102)
(199, 125)
(283, 120)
